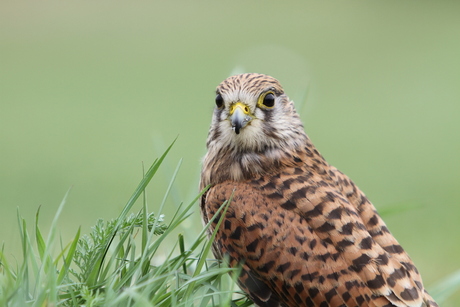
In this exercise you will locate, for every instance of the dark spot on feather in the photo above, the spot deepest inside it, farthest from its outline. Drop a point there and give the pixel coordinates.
(373, 220)
(305, 178)
(217, 218)
(251, 247)
(395, 276)
(360, 262)
(324, 256)
(299, 194)
(312, 292)
(309, 277)
(363, 200)
(301, 240)
(376, 283)
(293, 274)
(360, 300)
(393, 249)
(275, 195)
(293, 250)
(326, 227)
(341, 245)
(317, 211)
(266, 266)
(329, 196)
(297, 298)
(269, 186)
(329, 295)
(288, 205)
(256, 226)
(335, 214)
(299, 287)
(308, 152)
(334, 276)
(287, 183)
(374, 233)
(264, 216)
(321, 279)
(286, 288)
(347, 229)
(236, 234)
(283, 267)
(366, 243)
(349, 285)
(382, 259)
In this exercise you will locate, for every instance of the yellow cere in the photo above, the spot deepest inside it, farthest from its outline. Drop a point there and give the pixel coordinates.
(240, 105)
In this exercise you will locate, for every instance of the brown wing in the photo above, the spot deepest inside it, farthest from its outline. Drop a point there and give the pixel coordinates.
(284, 258)
(379, 232)
(307, 245)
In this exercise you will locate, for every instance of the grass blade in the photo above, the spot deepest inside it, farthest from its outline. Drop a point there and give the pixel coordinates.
(68, 259)
(38, 237)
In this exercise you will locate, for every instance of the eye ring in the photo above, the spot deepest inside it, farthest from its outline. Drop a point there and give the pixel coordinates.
(219, 101)
(267, 100)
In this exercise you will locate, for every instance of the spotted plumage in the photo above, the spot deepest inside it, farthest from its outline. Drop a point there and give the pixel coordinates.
(303, 232)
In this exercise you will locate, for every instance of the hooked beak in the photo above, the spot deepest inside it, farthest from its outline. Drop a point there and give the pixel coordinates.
(240, 116)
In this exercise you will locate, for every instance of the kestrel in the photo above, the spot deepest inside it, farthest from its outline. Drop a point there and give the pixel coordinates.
(302, 231)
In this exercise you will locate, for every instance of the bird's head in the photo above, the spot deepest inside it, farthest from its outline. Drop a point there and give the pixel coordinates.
(253, 113)
(255, 130)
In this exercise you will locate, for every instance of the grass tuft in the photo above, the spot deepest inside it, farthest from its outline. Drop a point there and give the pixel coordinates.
(118, 263)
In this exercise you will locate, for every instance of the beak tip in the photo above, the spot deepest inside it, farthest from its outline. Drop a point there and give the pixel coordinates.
(239, 119)
(236, 129)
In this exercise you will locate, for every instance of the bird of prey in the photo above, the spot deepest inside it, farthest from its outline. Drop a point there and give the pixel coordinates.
(302, 231)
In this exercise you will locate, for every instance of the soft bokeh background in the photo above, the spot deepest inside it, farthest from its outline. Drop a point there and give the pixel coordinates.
(91, 89)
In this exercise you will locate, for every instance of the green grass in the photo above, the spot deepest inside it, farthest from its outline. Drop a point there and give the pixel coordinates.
(119, 263)
(89, 89)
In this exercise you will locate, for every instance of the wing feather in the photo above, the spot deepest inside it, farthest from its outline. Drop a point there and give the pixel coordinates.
(282, 252)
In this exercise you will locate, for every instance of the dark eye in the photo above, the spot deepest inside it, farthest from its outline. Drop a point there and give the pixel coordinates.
(269, 100)
(219, 101)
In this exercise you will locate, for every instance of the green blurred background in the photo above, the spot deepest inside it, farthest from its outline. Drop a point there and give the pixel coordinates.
(91, 89)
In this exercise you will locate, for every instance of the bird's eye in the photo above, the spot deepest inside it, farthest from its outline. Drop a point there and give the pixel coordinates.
(219, 101)
(267, 100)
